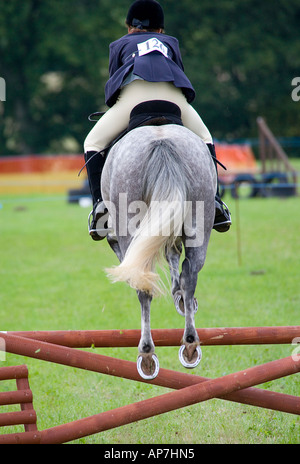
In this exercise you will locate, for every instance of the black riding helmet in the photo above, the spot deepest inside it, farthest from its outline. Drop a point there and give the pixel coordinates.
(145, 14)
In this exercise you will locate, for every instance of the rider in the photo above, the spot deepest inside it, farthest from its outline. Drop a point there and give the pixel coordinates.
(144, 65)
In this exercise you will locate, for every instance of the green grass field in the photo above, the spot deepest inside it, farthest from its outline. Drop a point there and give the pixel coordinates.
(52, 278)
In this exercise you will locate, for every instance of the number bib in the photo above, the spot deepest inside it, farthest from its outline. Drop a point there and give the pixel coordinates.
(152, 45)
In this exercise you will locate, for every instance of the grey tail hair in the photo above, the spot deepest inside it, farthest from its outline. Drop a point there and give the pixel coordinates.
(166, 189)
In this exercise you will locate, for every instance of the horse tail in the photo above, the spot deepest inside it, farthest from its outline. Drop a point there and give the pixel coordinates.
(165, 193)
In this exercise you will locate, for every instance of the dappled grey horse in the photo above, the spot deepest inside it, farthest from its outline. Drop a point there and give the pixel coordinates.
(159, 186)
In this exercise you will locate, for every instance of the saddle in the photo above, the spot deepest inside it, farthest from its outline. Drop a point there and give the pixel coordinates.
(154, 113)
(149, 113)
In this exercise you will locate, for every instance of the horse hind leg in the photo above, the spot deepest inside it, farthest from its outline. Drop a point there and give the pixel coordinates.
(114, 245)
(147, 363)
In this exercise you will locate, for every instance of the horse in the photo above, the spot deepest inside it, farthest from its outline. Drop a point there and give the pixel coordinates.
(159, 185)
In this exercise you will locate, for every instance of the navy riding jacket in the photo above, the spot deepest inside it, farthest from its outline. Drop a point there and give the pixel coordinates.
(155, 66)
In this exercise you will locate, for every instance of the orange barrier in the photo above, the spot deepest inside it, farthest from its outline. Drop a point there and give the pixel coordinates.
(236, 158)
(39, 163)
(40, 174)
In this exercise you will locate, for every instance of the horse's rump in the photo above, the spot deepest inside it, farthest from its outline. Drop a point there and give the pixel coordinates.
(164, 168)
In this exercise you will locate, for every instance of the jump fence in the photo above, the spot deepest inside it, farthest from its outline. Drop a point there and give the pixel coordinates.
(58, 347)
(22, 396)
(166, 337)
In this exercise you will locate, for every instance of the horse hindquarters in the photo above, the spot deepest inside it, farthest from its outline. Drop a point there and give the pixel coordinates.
(165, 191)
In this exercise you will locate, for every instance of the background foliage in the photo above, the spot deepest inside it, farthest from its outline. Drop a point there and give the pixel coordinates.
(241, 56)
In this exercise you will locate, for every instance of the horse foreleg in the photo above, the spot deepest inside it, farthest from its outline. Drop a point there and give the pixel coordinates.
(173, 257)
(190, 351)
(147, 363)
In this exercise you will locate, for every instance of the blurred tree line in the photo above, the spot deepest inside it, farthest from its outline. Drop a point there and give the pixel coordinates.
(240, 55)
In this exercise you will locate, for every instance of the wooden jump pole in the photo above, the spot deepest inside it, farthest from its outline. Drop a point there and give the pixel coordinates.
(127, 369)
(166, 337)
(170, 401)
(21, 396)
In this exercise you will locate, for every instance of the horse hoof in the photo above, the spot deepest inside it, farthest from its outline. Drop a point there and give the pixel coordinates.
(148, 366)
(196, 358)
(179, 304)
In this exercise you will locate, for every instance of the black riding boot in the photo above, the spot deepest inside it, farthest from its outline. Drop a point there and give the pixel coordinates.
(222, 217)
(95, 163)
